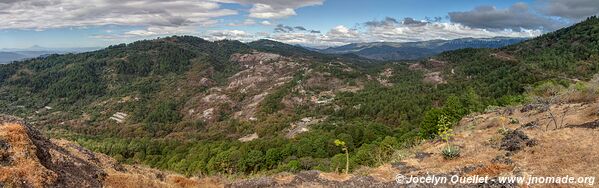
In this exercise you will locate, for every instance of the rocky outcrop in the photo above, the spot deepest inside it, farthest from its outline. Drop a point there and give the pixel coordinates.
(29, 159)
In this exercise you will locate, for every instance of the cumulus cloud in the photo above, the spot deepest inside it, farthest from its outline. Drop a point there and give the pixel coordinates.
(438, 30)
(265, 22)
(230, 34)
(44, 14)
(283, 29)
(338, 35)
(154, 17)
(388, 21)
(296, 38)
(341, 31)
(412, 22)
(570, 9)
(277, 3)
(268, 12)
(515, 17)
(245, 22)
(395, 30)
(280, 28)
(149, 32)
(274, 9)
(249, 22)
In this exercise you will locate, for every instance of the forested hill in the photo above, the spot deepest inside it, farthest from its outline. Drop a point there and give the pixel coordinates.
(571, 52)
(200, 107)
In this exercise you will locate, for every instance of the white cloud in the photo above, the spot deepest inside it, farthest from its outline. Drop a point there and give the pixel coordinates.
(274, 9)
(515, 17)
(296, 38)
(277, 3)
(245, 22)
(438, 30)
(44, 14)
(268, 12)
(230, 34)
(391, 30)
(265, 22)
(154, 17)
(149, 32)
(342, 31)
(569, 9)
(338, 35)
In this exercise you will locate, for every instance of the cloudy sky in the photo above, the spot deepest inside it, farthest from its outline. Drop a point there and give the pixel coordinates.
(317, 23)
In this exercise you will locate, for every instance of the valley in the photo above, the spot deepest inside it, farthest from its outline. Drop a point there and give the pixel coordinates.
(182, 111)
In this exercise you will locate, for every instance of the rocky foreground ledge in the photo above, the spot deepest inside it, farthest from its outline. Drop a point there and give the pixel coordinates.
(29, 159)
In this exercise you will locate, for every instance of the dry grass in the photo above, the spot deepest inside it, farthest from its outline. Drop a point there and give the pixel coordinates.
(492, 170)
(122, 180)
(283, 178)
(335, 176)
(25, 168)
(384, 173)
(559, 152)
(181, 181)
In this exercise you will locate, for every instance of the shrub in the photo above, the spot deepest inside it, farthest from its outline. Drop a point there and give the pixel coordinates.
(451, 152)
(581, 93)
(514, 121)
(292, 166)
(444, 127)
(503, 131)
(547, 89)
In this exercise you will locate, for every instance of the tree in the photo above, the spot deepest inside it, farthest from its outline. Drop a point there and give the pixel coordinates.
(472, 101)
(428, 126)
(251, 161)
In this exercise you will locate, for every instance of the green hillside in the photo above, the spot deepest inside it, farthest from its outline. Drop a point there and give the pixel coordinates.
(189, 105)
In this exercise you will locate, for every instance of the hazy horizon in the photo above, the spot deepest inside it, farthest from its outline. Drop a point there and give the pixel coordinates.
(313, 23)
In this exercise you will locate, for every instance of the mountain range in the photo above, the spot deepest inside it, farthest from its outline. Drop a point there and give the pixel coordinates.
(210, 108)
(417, 50)
(8, 55)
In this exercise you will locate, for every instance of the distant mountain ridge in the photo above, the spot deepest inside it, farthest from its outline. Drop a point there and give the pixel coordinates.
(8, 55)
(417, 50)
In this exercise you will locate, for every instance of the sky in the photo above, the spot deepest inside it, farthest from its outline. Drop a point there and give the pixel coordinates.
(315, 23)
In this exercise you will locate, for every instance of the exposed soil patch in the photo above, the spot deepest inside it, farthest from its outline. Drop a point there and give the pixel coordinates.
(434, 78)
(502, 160)
(422, 155)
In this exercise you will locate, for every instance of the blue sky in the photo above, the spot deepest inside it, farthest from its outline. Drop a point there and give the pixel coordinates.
(319, 23)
